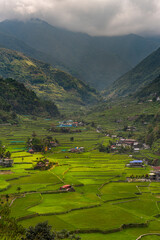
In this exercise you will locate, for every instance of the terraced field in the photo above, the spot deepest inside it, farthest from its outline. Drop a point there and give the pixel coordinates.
(104, 205)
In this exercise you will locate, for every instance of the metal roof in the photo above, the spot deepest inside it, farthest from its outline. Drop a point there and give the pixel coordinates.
(136, 161)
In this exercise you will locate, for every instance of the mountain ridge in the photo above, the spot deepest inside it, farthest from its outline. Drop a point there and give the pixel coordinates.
(96, 60)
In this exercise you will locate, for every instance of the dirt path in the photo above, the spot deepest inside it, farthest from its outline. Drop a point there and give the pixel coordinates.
(147, 234)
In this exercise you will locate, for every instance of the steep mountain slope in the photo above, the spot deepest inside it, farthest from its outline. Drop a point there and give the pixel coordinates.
(144, 73)
(46, 81)
(15, 98)
(11, 42)
(96, 60)
(152, 90)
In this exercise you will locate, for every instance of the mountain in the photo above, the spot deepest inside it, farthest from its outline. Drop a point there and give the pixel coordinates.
(48, 82)
(16, 99)
(96, 60)
(10, 42)
(139, 77)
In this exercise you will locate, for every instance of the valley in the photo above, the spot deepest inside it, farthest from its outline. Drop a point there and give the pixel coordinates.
(79, 134)
(105, 203)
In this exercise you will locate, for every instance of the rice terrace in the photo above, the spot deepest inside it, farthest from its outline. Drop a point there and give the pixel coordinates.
(109, 200)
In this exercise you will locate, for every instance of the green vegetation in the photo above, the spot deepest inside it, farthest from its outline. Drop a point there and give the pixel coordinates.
(151, 91)
(103, 201)
(47, 82)
(16, 99)
(139, 77)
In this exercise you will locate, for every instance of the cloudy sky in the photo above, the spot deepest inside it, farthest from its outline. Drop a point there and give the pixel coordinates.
(95, 17)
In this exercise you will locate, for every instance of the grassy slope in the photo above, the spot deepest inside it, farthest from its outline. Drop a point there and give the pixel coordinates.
(46, 81)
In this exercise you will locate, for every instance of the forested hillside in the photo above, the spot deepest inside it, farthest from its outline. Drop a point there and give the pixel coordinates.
(16, 99)
(151, 91)
(48, 82)
(139, 77)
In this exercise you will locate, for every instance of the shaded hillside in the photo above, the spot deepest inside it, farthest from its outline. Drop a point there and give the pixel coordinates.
(150, 91)
(46, 81)
(15, 98)
(140, 76)
(96, 60)
(11, 42)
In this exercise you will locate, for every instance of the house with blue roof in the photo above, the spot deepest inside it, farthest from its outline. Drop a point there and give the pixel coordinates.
(135, 163)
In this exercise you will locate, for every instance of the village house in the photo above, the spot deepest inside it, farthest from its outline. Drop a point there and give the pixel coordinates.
(132, 143)
(131, 128)
(135, 163)
(136, 149)
(43, 164)
(70, 123)
(114, 136)
(30, 150)
(53, 144)
(7, 162)
(155, 174)
(67, 188)
(113, 147)
(145, 146)
(77, 150)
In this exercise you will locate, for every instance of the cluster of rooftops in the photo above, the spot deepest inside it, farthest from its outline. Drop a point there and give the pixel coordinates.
(70, 123)
(6, 162)
(132, 143)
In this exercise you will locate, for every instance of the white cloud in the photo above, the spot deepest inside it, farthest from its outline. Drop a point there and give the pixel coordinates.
(96, 17)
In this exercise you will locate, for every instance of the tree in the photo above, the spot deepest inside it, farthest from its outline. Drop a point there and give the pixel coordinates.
(19, 189)
(42, 231)
(7, 154)
(7, 197)
(71, 139)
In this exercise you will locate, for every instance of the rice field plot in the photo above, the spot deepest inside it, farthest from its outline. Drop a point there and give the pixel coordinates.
(144, 189)
(104, 217)
(53, 220)
(32, 182)
(117, 190)
(94, 179)
(155, 187)
(25, 188)
(21, 206)
(137, 171)
(127, 234)
(23, 157)
(21, 168)
(142, 207)
(54, 203)
(3, 185)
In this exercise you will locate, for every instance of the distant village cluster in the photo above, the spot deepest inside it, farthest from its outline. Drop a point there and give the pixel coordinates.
(131, 144)
(70, 123)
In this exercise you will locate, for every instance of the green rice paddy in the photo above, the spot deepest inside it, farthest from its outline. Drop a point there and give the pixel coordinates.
(103, 199)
